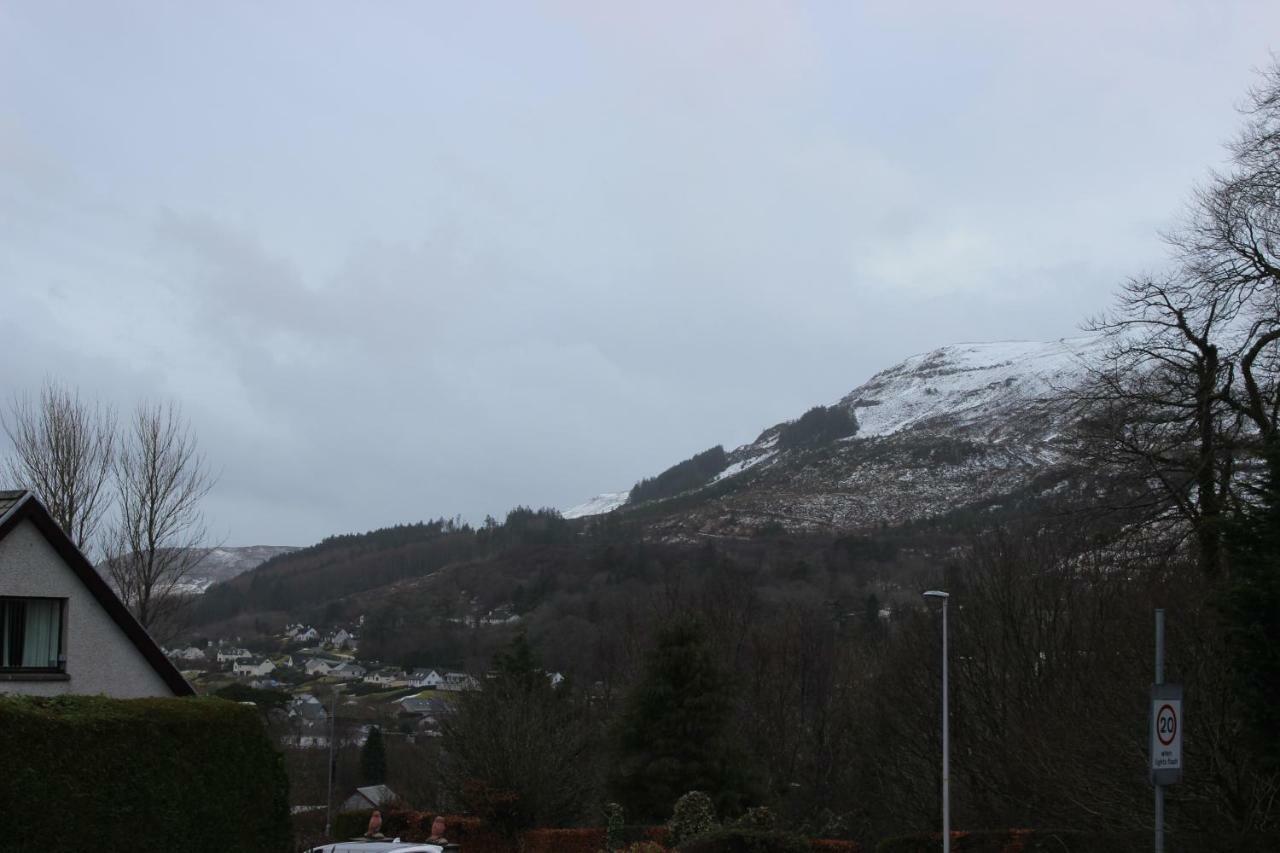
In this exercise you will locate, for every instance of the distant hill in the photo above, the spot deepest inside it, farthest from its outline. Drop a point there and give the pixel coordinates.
(224, 563)
(848, 499)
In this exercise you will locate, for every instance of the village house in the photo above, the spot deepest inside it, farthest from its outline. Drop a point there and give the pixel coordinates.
(427, 679)
(342, 640)
(190, 653)
(65, 630)
(320, 666)
(307, 708)
(348, 671)
(385, 677)
(459, 681)
(255, 667)
(233, 655)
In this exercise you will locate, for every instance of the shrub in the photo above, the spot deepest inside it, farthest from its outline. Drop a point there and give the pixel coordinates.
(694, 814)
(758, 817)
(191, 774)
(740, 840)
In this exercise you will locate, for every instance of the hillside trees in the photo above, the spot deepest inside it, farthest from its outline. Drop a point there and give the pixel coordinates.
(819, 425)
(692, 473)
(63, 449)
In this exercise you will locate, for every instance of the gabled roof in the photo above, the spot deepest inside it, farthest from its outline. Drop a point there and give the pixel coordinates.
(19, 506)
(378, 795)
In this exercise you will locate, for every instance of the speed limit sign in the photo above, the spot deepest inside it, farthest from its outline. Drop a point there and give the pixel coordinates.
(1166, 733)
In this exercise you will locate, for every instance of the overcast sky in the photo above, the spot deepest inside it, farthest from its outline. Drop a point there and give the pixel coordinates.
(406, 260)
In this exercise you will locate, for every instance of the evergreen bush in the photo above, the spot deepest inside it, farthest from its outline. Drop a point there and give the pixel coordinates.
(694, 814)
(191, 774)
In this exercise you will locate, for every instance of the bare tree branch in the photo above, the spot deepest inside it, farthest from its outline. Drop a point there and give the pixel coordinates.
(63, 451)
(160, 480)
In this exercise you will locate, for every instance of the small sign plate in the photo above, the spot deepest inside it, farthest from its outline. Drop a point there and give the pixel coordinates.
(1166, 734)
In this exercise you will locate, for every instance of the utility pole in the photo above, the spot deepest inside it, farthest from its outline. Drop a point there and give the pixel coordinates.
(946, 729)
(328, 803)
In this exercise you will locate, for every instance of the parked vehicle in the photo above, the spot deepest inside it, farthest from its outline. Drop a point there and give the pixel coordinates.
(378, 845)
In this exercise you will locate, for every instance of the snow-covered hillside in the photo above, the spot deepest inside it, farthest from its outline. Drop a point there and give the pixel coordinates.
(600, 504)
(969, 383)
(961, 424)
(220, 564)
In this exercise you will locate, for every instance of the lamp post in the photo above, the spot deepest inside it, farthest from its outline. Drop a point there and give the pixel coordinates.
(946, 742)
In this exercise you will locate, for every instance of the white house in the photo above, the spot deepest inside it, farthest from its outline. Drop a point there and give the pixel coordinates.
(342, 640)
(233, 655)
(425, 678)
(255, 667)
(458, 681)
(189, 653)
(320, 666)
(65, 630)
(310, 635)
(385, 677)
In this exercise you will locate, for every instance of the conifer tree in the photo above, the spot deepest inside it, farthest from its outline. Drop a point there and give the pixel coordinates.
(674, 735)
(373, 758)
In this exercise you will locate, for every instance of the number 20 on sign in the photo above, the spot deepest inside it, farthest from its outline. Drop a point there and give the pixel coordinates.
(1166, 733)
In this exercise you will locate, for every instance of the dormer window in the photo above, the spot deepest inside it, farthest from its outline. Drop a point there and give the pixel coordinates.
(31, 634)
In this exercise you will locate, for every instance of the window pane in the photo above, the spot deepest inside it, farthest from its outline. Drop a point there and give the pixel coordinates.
(40, 646)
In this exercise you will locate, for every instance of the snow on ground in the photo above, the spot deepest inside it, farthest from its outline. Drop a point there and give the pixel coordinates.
(969, 380)
(599, 505)
(742, 465)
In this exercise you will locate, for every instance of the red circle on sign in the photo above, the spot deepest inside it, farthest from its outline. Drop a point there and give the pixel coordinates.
(1173, 724)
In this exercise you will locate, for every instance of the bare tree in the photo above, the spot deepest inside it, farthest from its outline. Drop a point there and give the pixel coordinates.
(63, 451)
(1190, 400)
(160, 481)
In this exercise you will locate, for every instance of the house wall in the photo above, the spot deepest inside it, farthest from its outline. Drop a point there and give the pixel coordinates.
(100, 658)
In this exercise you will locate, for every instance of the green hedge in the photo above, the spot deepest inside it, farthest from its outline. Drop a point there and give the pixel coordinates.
(732, 839)
(91, 773)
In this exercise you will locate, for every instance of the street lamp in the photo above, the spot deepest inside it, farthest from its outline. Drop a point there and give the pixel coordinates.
(946, 743)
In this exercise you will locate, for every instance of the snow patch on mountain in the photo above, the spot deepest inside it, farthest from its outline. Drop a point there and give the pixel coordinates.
(965, 382)
(223, 563)
(747, 462)
(599, 505)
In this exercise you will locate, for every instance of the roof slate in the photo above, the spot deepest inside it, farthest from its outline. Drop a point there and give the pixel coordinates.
(9, 498)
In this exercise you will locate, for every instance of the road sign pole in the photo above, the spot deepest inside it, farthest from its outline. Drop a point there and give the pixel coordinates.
(1159, 815)
(946, 743)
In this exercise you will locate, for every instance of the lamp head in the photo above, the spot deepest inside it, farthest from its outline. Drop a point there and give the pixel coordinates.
(937, 593)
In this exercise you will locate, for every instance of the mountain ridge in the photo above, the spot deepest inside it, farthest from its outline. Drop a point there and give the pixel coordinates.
(983, 415)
